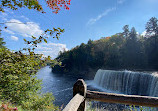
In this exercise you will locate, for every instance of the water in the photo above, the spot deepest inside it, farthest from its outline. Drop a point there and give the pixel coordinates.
(60, 85)
(128, 82)
(125, 82)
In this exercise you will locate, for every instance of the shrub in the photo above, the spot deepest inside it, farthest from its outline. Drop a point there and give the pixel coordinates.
(18, 83)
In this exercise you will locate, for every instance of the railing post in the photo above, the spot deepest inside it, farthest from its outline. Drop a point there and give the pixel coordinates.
(81, 88)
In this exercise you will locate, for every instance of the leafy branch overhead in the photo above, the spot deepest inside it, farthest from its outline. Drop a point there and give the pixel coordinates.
(34, 4)
(18, 83)
(54, 5)
(55, 33)
(15, 4)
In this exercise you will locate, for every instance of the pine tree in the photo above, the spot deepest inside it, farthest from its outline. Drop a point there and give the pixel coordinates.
(152, 27)
(126, 30)
(2, 43)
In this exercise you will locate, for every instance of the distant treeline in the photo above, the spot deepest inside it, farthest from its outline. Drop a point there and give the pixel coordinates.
(125, 50)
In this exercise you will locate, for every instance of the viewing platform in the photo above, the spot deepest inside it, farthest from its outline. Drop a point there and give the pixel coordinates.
(81, 94)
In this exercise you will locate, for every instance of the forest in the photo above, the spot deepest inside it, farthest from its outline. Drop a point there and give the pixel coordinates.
(126, 50)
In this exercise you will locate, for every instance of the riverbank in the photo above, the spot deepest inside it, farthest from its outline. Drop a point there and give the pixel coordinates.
(84, 74)
(90, 73)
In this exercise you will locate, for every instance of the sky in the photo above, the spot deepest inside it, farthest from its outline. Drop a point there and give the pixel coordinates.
(86, 19)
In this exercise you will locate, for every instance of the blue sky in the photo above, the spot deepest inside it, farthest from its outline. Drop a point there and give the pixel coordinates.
(86, 19)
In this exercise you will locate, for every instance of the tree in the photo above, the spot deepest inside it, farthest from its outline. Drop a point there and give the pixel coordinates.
(90, 42)
(152, 27)
(133, 34)
(2, 43)
(34, 4)
(18, 83)
(151, 43)
(115, 52)
(126, 30)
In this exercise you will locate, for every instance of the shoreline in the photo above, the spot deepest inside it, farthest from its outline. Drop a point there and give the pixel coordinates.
(90, 73)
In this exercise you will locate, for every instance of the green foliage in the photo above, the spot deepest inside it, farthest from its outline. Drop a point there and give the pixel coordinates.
(2, 43)
(54, 5)
(40, 102)
(18, 83)
(152, 27)
(126, 30)
(15, 4)
(55, 33)
(126, 50)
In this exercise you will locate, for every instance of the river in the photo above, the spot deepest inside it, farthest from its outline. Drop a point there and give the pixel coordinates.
(60, 85)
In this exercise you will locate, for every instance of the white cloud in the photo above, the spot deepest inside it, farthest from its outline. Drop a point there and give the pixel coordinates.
(147, 35)
(137, 33)
(8, 31)
(120, 1)
(50, 49)
(143, 33)
(26, 30)
(14, 38)
(93, 20)
(23, 17)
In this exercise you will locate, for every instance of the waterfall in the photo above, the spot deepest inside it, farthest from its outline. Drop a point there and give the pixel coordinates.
(128, 82)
